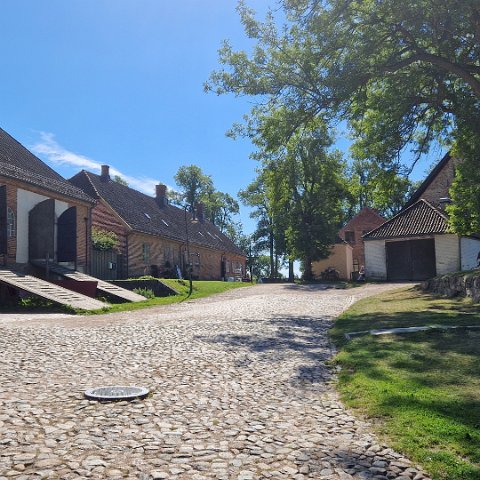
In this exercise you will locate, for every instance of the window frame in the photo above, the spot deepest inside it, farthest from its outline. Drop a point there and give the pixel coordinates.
(11, 224)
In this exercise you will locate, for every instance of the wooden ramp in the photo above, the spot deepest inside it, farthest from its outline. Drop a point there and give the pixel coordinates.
(103, 286)
(49, 291)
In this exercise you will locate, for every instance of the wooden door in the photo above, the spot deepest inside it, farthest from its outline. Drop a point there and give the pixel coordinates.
(67, 236)
(411, 260)
(41, 231)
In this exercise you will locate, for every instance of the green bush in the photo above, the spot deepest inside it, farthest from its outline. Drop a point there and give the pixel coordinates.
(103, 239)
(146, 292)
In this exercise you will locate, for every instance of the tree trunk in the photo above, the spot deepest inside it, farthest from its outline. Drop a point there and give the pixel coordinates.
(307, 272)
(291, 273)
(272, 255)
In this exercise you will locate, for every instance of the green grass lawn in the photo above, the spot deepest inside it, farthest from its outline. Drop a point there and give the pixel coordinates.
(422, 390)
(201, 288)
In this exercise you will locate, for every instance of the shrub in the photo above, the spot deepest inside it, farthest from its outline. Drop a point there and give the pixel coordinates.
(103, 239)
(146, 292)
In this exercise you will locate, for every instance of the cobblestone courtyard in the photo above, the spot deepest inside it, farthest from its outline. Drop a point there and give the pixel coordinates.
(240, 390)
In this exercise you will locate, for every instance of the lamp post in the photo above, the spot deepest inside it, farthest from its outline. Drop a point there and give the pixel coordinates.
(189, 267)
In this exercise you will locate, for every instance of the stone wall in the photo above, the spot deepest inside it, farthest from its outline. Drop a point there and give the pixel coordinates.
(159, 288)
(464, 284)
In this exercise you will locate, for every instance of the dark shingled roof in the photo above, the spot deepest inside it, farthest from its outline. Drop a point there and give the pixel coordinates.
(142, 213)
(421, 218)
(20, 164)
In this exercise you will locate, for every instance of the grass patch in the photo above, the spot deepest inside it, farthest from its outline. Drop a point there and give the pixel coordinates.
(421, 389)
(34, 304)
(201, 288)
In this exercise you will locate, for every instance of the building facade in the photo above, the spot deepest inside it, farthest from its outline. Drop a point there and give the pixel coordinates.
(156, 238)
(366, 220)
(416, 244)
(42, 216)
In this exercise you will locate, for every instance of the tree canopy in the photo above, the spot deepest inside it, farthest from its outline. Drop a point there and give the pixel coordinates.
(219, 208)
(403, 75)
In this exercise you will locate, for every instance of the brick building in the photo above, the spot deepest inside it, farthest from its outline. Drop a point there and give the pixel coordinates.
(348, 253)
(154, 237)
(366, 220)
(416, 244)
(435, 188)
(41, 214)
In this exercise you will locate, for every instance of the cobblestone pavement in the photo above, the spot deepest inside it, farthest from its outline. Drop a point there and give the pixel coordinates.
(240, 390)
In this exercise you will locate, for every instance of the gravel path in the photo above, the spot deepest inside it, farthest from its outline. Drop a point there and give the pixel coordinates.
(240, 390)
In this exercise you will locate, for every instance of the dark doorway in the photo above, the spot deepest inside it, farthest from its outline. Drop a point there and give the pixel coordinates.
(411, 260)
(223, 268)
(67, 236)
(41, 231)
(3, 219)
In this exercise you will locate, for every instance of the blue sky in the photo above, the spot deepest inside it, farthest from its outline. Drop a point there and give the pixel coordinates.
(120, 82)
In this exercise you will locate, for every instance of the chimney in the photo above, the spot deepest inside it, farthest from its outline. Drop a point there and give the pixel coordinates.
(200, 212)
(105, 175)
(161, 195)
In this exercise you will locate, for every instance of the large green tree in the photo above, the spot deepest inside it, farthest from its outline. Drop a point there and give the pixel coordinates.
(219, 208)
(194, 185)
(371, 186)
(300, 192)
(263, 238)
(308, 192)
(402, 74)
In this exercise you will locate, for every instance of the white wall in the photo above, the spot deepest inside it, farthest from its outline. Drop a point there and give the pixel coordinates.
(469, 250)
(375, 260)
(447, 253)
(25, 202)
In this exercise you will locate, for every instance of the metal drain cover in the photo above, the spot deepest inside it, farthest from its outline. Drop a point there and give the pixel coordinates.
(116, 392)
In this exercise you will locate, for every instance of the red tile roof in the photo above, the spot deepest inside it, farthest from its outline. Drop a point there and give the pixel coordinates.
(421, 218)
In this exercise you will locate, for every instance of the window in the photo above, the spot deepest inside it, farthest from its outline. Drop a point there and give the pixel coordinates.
(11, 226)
(237, 268)
(146, 253)
(196, 260)
(350, 237)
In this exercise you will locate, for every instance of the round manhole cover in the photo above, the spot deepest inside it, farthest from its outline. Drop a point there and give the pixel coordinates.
(116, 392)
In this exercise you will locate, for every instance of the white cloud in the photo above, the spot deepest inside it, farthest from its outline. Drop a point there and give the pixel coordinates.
(50, 150)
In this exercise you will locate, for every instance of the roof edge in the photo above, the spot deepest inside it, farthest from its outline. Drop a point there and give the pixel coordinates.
(403, 212)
